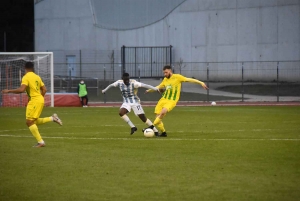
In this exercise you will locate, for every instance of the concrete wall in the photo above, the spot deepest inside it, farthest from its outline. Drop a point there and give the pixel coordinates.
(199, 30)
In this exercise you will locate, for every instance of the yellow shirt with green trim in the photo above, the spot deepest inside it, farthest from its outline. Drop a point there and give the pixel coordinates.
(33, 83)
(172, 86)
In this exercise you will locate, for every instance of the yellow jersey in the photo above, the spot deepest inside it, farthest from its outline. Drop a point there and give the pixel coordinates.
(33, 83)
(172, 86)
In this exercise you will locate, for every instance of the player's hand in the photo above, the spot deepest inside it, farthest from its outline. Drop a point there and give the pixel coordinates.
(103, 91)
(147, 91)
(158, 90)
(162, 90)
(204, 86)
(5, 91)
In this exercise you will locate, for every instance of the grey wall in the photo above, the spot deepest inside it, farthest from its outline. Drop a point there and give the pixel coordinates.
(199, 30)
(131, 14)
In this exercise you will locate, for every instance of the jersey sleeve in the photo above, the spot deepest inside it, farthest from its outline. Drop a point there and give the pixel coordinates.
(25, 81)
(115, 84)
(181, 78)
(42, 83)
(137, 84)
(161, 85)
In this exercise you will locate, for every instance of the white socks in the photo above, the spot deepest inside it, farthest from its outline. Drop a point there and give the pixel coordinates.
(149, 123)
(127, 120)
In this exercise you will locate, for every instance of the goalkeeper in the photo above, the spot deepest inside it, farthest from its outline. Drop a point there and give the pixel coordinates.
(172, 85)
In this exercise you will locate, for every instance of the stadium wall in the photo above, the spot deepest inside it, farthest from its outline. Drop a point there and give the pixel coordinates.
(198, 30)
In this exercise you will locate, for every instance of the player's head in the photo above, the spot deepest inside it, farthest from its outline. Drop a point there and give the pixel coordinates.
(167, 71)
(81, 81)
(125, 78)
(29, 66)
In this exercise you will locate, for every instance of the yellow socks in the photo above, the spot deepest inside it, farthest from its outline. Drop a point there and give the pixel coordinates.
(34, 129)
(35, 132)
(159, 124)
(43, 120)
(157, 121)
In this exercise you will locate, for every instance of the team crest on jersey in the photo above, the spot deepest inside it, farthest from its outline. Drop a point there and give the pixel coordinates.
(168, 87)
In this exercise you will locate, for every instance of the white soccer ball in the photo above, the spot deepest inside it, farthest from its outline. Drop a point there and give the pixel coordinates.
(148, 132)
(213, 103)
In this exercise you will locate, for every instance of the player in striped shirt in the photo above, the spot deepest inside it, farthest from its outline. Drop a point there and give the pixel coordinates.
(129, 88)
(172, 85)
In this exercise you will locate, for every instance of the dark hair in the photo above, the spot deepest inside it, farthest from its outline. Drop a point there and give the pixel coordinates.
(167, 67)
(125, 75)
(29, 65)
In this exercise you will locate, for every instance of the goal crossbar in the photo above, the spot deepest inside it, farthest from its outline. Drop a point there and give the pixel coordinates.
(14, 57)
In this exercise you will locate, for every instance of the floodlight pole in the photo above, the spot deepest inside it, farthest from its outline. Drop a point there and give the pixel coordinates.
(242, 81)
(277, 81)
(207, 67)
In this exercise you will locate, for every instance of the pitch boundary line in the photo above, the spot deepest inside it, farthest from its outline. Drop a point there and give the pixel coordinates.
(164, 139)
(179, 131)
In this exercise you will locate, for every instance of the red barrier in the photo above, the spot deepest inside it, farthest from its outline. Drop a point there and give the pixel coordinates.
(14, 100)
(60, 100)
(67, 100)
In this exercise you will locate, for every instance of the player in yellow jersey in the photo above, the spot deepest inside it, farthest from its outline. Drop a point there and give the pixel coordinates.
(172, 85)
(36, 90)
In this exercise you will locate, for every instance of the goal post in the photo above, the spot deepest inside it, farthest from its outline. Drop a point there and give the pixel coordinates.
(12, 70)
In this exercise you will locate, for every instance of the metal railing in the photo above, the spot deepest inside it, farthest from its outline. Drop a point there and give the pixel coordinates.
(150, 59)
(228, 81)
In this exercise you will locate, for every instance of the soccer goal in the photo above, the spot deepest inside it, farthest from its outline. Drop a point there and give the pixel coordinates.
(12, 71)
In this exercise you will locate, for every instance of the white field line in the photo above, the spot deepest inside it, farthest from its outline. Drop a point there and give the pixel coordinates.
(164, 139)
(178, 131)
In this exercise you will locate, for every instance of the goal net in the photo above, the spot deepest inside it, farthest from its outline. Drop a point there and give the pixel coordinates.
(12, 70)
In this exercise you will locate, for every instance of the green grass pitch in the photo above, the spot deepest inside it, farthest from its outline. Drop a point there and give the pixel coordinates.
(211, 153)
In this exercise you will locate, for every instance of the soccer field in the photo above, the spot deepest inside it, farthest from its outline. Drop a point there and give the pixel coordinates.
(211, 153)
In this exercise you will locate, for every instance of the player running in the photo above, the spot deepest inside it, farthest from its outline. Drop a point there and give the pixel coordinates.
(172, 85)
(128, 88)
(36, 91)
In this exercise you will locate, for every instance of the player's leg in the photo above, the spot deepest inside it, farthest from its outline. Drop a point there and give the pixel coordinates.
(81, 100)
(161, 111)
(35, 132)
(125, 108)
(138, 111)
(158, 109)
(33, 111)
(43, 120)
(84, 101)
(53, 118)
(149, 123)
(87, 100)
(158, 122)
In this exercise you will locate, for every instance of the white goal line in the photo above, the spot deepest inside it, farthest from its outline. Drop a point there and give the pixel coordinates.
(164, 139)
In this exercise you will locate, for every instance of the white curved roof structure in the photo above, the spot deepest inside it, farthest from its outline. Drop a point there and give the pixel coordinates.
(130, 14)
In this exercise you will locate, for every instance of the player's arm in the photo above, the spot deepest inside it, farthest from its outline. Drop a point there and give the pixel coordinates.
(78, 89)
(158, 88)
(19, 90)
(115, 84)
(192, 80)
(43, 90)
(149, 87)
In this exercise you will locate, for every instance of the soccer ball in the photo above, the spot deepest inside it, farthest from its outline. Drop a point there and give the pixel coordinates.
(148, 132)
(213, 103)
